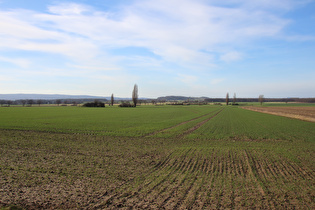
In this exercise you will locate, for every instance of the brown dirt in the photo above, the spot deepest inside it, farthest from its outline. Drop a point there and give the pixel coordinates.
(110, 173)
(301, 113)
(192, 180)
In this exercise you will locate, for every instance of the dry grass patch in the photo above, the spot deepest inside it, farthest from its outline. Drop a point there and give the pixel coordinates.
(301, 113)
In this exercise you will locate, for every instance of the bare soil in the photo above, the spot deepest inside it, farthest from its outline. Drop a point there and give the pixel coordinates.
(301, 113)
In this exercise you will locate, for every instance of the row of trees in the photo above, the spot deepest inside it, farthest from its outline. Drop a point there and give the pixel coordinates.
(74, 102)
(227, 99)
(31, 102)
(135, 97)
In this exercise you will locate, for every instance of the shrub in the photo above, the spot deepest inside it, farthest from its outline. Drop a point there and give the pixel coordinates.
(126, 104)
(94, 104)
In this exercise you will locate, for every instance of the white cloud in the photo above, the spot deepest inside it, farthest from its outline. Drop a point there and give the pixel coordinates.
(181, 35)
(21, 62)
(68, 9)
(95, 68)
(217, 81)
(187, 79)
(231, 56)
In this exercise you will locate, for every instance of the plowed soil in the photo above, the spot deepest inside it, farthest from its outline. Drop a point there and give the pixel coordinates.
(301, 113)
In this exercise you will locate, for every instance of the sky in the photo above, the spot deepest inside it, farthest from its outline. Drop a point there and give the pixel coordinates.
(166, 47)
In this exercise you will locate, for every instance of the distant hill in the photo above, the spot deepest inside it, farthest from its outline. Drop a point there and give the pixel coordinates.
(52, 97)
(180, 98)
(22, 96)
(44, 96)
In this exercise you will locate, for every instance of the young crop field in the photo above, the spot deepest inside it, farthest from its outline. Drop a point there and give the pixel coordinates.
(156, 157)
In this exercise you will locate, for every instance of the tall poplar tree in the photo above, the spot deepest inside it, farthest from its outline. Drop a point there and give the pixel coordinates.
(227, 99)
(112, 100)
(135, 95)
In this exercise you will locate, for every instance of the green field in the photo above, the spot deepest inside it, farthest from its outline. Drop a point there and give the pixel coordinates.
(169, 157)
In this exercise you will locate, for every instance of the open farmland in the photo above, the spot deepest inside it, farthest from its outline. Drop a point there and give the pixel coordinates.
(169, 157)
(302, 113)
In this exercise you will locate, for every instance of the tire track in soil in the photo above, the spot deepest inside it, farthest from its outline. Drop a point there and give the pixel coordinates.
(263, 176)
(177, 125)
(251, 173)
(192, 129)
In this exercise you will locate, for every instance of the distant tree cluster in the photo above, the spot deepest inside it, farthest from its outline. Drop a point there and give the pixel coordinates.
(126, 104)
(134, 97)
(96, 103)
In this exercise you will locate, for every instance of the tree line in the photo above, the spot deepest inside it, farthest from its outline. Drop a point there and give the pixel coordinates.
(176, 100)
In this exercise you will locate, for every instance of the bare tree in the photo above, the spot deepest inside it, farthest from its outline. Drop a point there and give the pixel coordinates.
(135, 95)
(30, 102)
(39, 102)
(9, 102)
(58, 101)
(261, 99)
(227, 99)
(23, 102)
(112, 100)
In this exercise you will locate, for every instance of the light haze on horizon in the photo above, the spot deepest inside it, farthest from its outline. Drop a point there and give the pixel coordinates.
(166, 47)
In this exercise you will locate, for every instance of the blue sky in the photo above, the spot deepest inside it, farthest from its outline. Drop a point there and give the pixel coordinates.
(167, 47)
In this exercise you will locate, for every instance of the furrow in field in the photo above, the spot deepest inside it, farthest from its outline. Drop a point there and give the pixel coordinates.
(193, 191)
(177, 125)
(183, 201)
(192, 129)
(303, 173)
(210, 179)
(250, 170)
(179, 167)
(169, 199)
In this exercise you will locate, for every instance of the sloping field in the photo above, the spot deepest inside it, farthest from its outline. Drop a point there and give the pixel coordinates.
(297, 112)
(213, 159)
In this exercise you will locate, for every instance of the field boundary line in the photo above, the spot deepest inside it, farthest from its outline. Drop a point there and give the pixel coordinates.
(174, 126)
(192, 129)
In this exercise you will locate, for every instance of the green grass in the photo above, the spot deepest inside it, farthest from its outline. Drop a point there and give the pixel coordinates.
(112, 121)
(241, 124)
(158, 157)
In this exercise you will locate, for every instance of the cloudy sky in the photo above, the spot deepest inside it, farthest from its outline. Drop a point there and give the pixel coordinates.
(167, 47)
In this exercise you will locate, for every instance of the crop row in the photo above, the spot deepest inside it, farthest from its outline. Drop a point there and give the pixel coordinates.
(111, 121)
(206, 178)
(240, 124)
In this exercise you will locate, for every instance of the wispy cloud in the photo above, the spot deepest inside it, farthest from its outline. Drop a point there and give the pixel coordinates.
(187, 79)
(180, 36)
(21, 62)
(217, 81)
(177, 35)
(231, 56)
